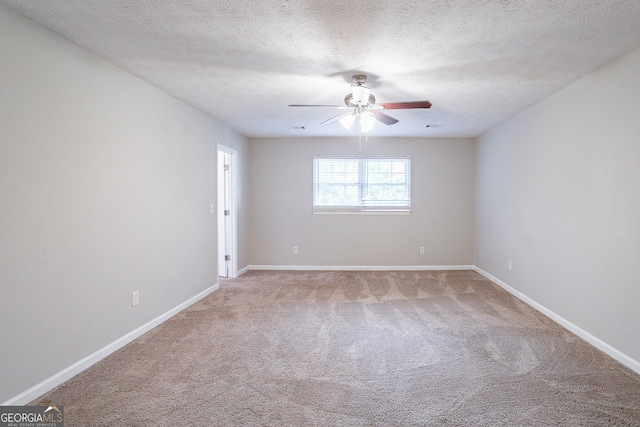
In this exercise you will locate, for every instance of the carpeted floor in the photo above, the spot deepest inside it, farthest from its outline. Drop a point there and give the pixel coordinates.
(425, 348)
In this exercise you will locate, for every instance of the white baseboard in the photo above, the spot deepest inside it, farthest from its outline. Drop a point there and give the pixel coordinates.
(595, 341)
(67, 373)
(360, 267)
(73, 370)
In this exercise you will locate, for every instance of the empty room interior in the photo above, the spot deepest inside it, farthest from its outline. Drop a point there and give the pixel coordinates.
(511, 130)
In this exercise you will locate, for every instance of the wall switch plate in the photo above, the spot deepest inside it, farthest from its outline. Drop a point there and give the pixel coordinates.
(295, 249)
(135, 298)
(510, 266)
(211, 209)
(422, 250)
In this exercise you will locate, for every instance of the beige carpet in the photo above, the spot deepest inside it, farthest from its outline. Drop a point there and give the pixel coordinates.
(355, 349)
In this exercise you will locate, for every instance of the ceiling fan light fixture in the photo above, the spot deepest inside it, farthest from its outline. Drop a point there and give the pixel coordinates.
(347, 121)
(360, 94)
(361, 106)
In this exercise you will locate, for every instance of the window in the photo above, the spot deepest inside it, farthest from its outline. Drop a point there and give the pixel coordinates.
(361, 183)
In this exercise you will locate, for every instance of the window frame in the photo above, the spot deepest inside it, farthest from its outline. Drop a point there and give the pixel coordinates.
(363, 182)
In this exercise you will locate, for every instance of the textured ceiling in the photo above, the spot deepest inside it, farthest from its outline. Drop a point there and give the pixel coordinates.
(243, 61)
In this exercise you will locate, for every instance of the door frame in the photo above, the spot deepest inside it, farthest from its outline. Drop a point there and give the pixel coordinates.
(231, 231)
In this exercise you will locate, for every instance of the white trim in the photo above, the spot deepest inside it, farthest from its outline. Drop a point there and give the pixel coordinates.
(362, 156)
(69, 372)
(361, 267)
(244, 270)
(73, 370)
(321, 211)
(596, 342)
(234, 207)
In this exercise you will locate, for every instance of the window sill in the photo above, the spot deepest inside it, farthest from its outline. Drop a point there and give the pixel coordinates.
(383, 212)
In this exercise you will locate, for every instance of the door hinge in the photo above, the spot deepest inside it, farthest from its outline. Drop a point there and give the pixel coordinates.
(226, 167)
(227, 257)
(227, 212)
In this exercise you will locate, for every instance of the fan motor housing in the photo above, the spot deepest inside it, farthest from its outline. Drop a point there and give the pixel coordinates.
(348, 100)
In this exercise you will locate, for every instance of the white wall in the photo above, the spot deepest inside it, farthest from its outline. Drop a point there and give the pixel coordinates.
(281, 198)
(558, 193)
(105, 186)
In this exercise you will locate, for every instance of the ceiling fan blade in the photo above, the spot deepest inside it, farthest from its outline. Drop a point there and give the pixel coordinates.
(403, 105)
(335, 119)
(313, 105)
(387, 120)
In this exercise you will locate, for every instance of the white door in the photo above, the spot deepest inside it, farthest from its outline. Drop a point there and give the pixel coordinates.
(226, 212)
(223, 268)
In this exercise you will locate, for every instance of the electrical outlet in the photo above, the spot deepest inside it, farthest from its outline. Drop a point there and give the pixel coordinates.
(422, 250)
(295, 249)
(510, 265)
(135, 298)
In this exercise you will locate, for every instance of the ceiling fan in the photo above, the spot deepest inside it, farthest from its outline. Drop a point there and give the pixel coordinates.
(361, 105)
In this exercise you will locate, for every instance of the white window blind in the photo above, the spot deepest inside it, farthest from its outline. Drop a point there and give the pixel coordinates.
(361, 183)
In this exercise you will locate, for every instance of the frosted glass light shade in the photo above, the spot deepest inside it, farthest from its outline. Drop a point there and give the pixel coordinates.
(366, 122)
(360, 94)
(347, 121)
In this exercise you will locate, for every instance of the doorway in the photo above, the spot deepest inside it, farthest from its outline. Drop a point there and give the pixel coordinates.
(226, 212)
